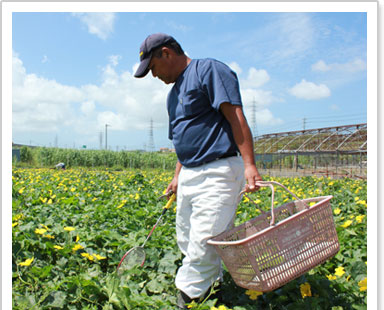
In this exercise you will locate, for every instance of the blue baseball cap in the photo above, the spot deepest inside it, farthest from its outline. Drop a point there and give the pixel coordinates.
(150, 43)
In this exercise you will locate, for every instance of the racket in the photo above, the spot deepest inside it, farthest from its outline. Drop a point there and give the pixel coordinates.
(136, 255)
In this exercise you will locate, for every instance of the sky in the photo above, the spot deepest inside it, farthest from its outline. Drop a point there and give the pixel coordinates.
(72, 73)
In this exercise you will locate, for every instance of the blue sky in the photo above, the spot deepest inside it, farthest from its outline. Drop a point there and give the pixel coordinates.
(73, 72)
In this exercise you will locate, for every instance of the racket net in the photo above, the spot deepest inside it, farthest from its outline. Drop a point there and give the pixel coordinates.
(133, 258)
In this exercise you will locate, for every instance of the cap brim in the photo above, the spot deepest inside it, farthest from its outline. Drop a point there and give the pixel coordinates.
(143, 70)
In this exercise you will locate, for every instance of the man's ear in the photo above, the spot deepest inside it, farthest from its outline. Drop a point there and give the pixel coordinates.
(166, 52)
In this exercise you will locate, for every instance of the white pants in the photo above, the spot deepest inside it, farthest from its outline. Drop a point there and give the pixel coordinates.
(207, 198)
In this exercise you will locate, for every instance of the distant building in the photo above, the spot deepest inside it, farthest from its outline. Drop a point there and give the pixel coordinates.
(167, 150)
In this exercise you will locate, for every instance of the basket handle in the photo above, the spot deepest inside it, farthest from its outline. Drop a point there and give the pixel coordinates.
(270, 184)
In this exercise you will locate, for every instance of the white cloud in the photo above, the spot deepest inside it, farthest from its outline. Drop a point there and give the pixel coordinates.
(321, 66)
(120, 100)
(256, 78)
(116, 121)
(355, 65)
(114, 60)
(310, 91)
(87, 107)
(45, 59)
(294, 35)
(235, 67)
(177, 26)
(99, 24)
(39, 104)
(125, 102)
(335, 107)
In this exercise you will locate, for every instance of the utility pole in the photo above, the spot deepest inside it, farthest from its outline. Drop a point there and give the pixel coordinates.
(304, 122)
(101, 139)
(106, 136)
(151, 143)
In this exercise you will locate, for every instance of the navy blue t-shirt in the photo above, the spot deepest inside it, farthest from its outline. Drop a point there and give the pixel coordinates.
(198, 129)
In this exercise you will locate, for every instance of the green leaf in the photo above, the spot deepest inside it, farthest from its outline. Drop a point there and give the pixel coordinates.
(57, 299)
(167, 263)
(25, 302)
(155, 286)
(358, 268)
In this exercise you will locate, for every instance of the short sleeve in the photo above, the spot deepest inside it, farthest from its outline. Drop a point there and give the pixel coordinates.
(219, 83)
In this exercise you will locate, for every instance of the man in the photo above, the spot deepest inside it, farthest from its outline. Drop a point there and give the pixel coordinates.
(208, 129)
(60, 166)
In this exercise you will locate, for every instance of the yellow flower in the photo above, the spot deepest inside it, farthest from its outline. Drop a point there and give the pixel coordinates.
(121, 205)
(77, 238)
(331, 277)
(137, 196)
(43, 200)
(221, 307)
(77, 247)
(27, 262)
(49, 236)
(69, 228)
(337, 211)
(73, 189)
(14, 224)
(359, 218)
(361, 202)
(357, 198)
(99, 256)
(45, 226)
(58, 247)
(346, 224)
(305, 290)
(363, 285)
(348, 278)
(339, 271)
(90, 257)
(40, 231)
(21, 190)
(253, 294)
(18, 217)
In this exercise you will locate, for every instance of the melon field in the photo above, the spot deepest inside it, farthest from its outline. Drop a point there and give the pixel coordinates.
(70, 229)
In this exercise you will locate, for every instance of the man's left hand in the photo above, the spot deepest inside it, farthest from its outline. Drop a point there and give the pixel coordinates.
(252, 176)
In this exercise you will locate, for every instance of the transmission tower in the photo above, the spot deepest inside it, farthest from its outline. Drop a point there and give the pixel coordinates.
(151, 143)
(254, 123)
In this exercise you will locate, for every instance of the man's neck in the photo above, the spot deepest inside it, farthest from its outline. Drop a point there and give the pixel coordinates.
(183, 63)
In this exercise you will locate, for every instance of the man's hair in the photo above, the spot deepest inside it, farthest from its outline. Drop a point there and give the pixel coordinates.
(172, 45)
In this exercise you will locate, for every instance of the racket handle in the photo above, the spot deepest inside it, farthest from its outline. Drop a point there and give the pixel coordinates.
(169, 203)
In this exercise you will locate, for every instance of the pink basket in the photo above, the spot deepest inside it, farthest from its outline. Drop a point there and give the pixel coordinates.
(261, 255)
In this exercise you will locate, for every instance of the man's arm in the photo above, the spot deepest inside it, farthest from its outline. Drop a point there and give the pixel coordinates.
(173, 185)
(243, 138)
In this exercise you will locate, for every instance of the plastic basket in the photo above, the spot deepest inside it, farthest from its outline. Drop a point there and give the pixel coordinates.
(263, 255)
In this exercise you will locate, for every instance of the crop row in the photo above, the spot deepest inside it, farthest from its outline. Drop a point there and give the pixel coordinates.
(70, 229)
